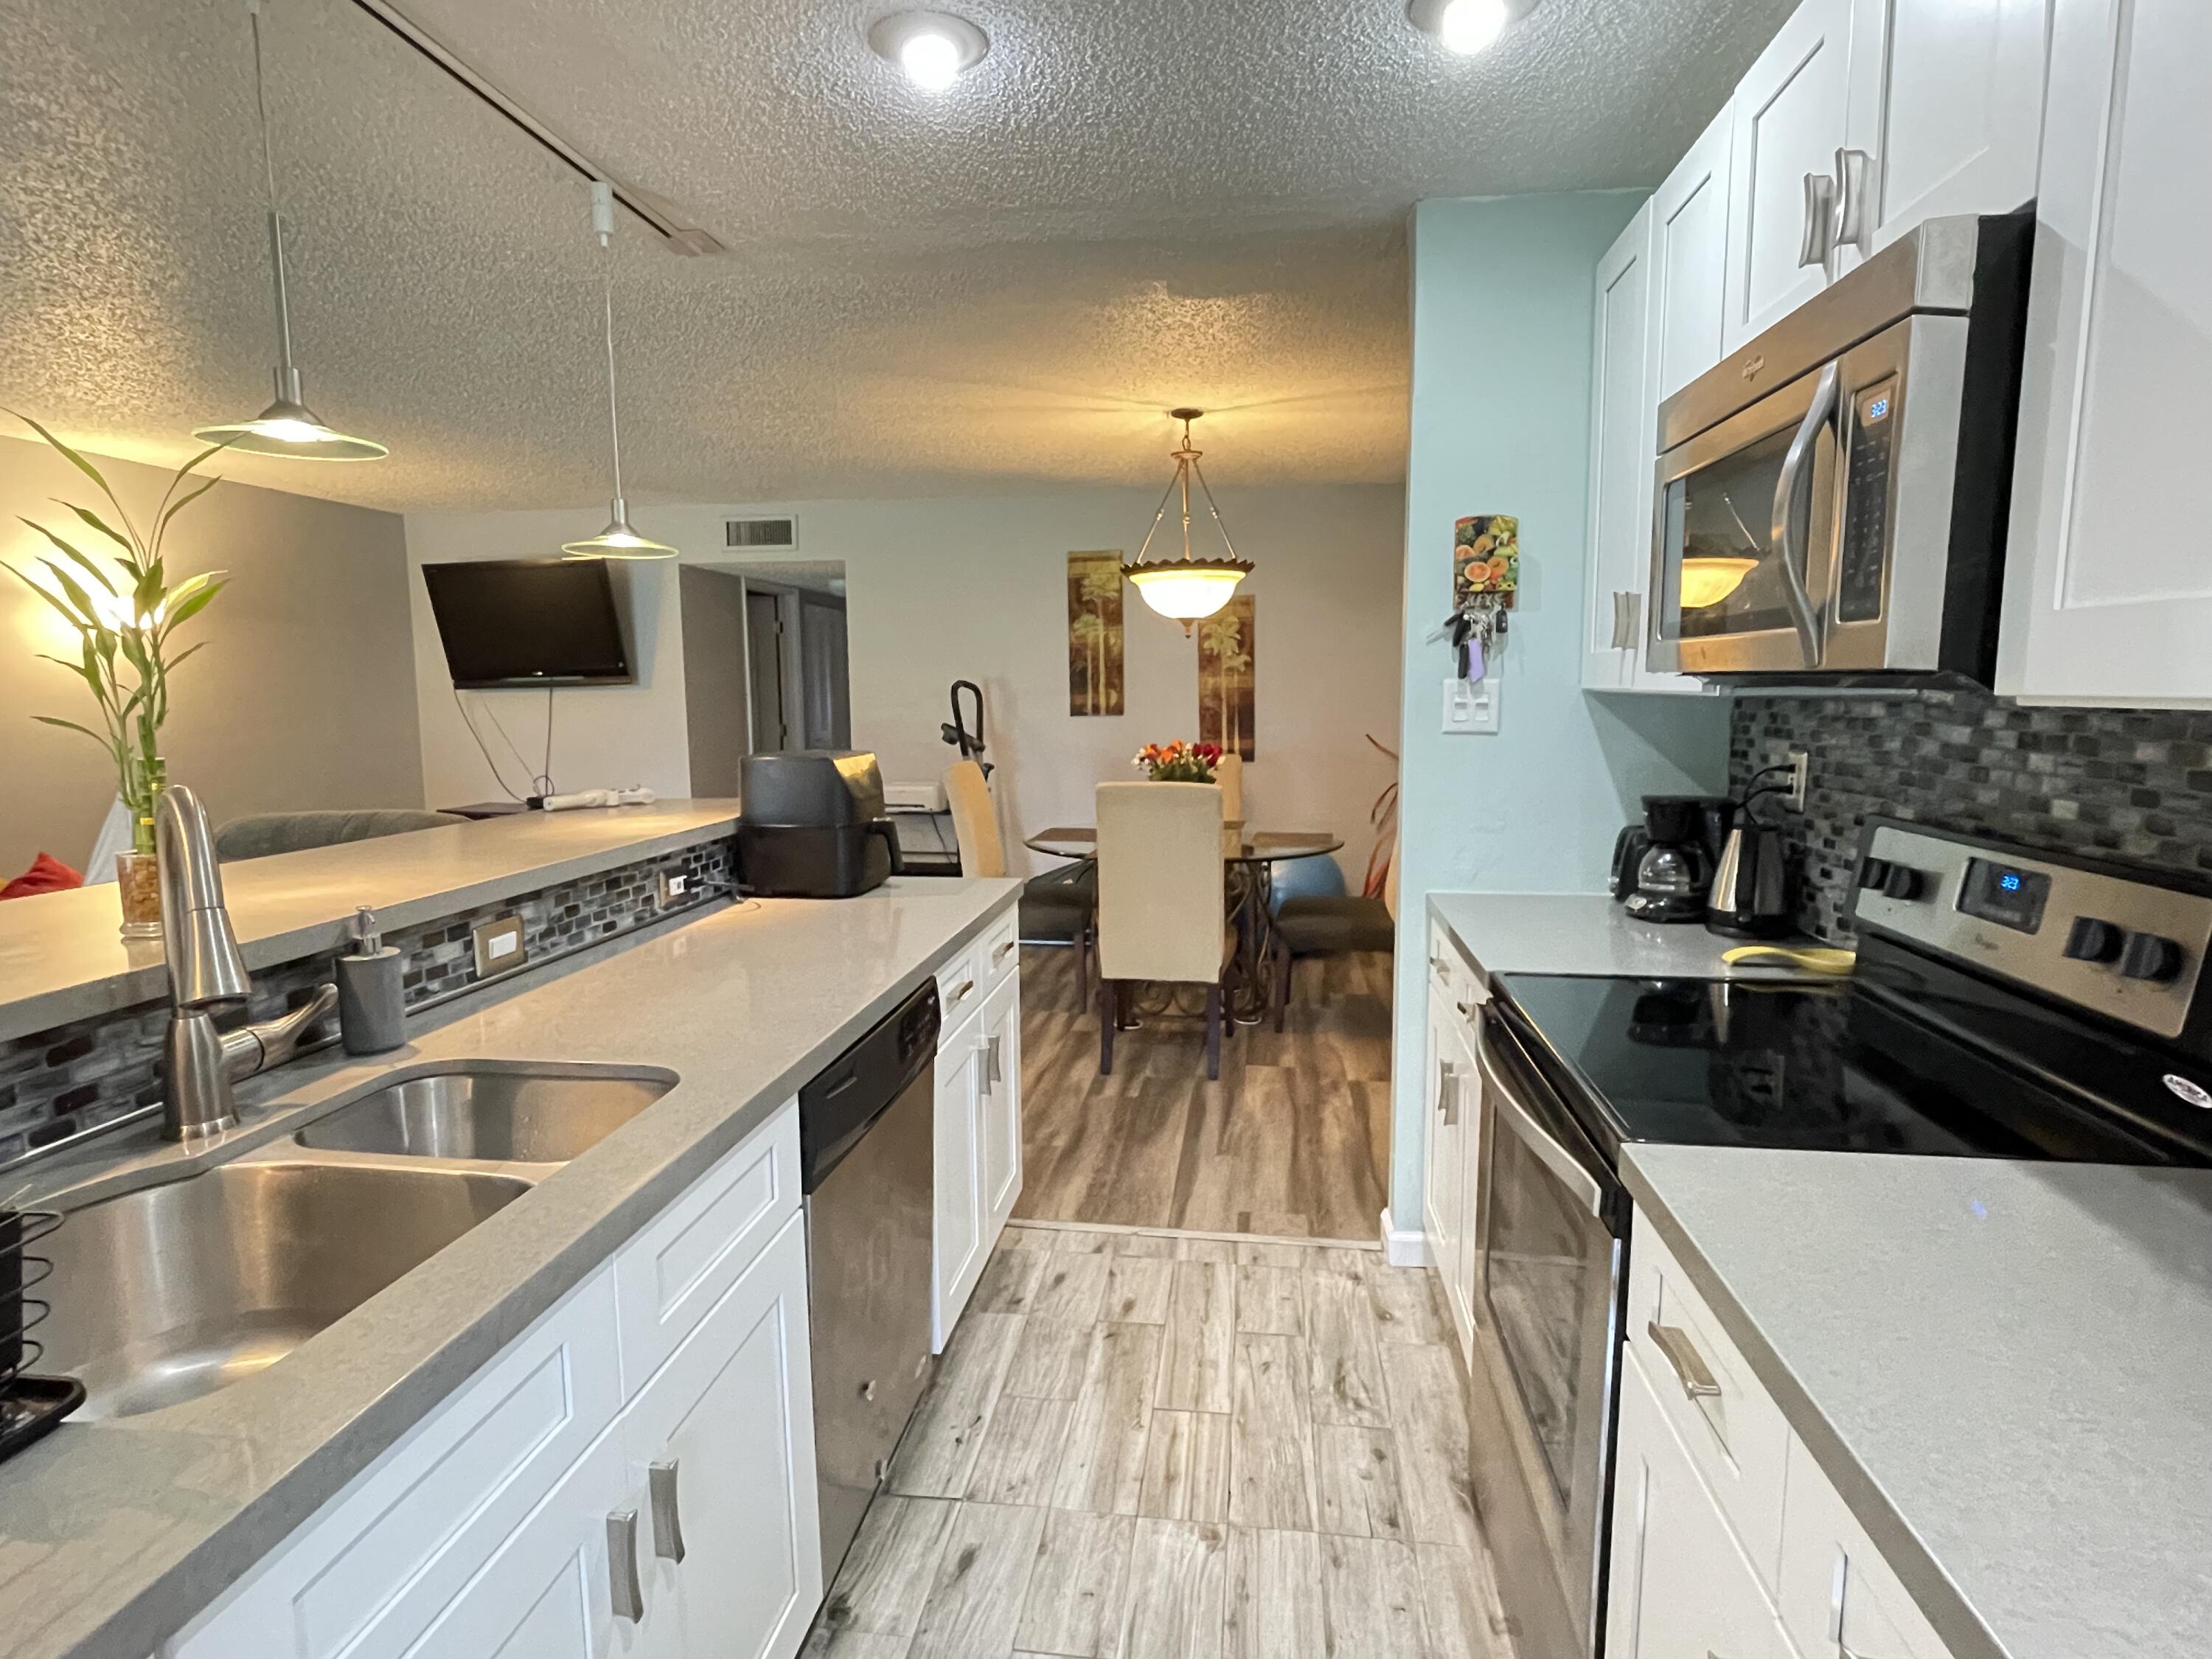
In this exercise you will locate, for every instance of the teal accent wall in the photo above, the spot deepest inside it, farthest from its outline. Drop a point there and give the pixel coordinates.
(1502, 293)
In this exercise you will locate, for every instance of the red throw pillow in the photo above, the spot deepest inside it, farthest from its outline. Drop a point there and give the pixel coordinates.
(47, 874)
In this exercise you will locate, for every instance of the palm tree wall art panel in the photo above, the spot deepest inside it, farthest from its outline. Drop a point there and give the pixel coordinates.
(1225, 653)
(1094, 634)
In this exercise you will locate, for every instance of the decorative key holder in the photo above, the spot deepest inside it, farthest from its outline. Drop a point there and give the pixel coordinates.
(1486, 576)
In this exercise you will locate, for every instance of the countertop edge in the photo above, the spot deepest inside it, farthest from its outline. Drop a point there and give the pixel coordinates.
(89, 999)
(178, 1591)
(1939, 1599)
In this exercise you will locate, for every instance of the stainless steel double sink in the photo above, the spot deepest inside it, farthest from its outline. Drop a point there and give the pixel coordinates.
(172, 1291)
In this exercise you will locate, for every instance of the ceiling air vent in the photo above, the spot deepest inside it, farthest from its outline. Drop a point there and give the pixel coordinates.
(760, 532)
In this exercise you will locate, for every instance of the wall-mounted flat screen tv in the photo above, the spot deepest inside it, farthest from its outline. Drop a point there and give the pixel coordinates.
(510, 623)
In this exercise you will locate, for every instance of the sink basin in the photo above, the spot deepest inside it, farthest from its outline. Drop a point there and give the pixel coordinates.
(494, 1117)
(163, 1295)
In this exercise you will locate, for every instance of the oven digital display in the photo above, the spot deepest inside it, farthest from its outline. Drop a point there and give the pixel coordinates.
(2004, 894)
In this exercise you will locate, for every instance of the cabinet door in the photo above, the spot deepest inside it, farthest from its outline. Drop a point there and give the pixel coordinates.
(720, 1449)
(1623, 429)
(958, 1252)
(2108, 593)
(1790, 122)
(1689, 265)
(1442, 1199)
(998, 1083)
(1470, 1226)
(1947, 104)
(1681, 1589)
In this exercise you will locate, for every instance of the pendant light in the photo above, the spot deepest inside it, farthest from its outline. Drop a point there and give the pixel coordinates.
(1187, 588)
(618, 540)
(287, 426)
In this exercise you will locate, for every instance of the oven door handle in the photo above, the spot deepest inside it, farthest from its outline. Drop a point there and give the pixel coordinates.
(1793, 511)
(1499, 1096)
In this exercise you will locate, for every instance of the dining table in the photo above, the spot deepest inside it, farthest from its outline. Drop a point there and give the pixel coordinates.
(1249, 854)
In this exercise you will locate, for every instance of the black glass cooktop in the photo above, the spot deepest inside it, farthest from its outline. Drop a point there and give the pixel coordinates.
(1912, 1059)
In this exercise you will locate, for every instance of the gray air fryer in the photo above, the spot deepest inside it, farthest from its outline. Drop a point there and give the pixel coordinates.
(813, 826)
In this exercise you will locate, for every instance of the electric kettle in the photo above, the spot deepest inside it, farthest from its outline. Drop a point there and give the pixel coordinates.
(1753, 893)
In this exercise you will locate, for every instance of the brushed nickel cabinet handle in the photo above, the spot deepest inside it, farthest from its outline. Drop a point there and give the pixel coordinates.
(1689, 1365)
(667, 1517)
(1816, 241)
(1854, 174)
(994, 1069)
(999, 955)
(960, 992)
(623, 1587)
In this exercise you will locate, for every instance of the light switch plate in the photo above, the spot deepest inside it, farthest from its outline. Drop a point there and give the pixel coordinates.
(498, 947)
(1471, 707)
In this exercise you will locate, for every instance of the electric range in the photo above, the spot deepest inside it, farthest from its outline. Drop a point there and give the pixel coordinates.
(2007, 1003)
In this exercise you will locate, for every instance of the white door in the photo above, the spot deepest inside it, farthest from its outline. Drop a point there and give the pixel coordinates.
(551, 1592)
(1624, 422)
(959, 1248)
(1689, 261)
(1442, 1200)
(999, 1083)
(1681, 1586)
(2108, 590)
(721, 1447)
(1946, 107)
(1790, 122)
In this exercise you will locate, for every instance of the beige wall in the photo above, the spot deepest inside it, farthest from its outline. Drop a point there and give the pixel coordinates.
(303, 698)
(714, 688)
(977, 588)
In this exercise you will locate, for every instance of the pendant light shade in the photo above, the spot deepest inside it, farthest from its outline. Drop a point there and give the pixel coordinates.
(618, 540)
(1188, 588)
(287, 427)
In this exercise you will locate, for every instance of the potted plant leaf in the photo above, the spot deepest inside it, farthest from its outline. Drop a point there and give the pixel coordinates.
(125, 613)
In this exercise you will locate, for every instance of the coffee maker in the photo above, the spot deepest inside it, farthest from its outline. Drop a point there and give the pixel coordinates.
(1662, 869)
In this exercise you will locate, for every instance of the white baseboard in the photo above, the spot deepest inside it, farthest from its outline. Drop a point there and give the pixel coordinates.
(1404, 1247)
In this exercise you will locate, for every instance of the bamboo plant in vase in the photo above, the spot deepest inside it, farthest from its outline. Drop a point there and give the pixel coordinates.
(125, 615)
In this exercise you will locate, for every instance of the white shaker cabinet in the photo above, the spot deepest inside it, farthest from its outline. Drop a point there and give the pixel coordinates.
(1624, 420)
(1451, 1154)
(1681, 1586)
(2108, 590)
(1789, 121)
(1689, 264)
(978, 1145)
(1945, 112)
(999, 1084)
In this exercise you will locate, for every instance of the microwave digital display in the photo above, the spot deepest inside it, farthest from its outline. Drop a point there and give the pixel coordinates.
(1866, 505)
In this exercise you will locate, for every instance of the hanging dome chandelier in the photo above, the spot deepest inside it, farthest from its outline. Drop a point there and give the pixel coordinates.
(1188, 588)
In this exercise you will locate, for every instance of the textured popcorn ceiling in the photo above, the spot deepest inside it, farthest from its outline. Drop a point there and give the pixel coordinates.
(1132, 203)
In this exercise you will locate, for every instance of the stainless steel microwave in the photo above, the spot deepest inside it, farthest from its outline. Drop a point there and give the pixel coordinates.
(1831, 499)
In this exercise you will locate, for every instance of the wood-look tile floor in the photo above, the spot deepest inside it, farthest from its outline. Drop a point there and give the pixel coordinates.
(1141, 1445)
(1293, 1141)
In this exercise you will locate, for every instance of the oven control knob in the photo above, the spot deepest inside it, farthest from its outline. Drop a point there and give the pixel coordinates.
(2091, 940)
(2148, 956)
(1904, 883)
(1874, 872)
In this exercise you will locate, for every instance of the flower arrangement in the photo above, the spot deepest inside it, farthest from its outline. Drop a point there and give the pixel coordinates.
(1179, 762)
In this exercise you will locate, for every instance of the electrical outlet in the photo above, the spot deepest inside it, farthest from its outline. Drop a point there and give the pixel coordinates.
(1800, 778)
(674, 885)
(498, 947)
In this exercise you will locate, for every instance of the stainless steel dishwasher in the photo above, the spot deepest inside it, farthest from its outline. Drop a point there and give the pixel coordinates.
(867, 1130)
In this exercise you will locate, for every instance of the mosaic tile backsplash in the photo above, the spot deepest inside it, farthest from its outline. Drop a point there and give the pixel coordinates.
(2128, 784)
(77, 1076)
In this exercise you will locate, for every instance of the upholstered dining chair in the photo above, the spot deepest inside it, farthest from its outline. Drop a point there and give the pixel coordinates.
(1229, 773)
(1162, 898)
(1317, 926)
(1056, 907)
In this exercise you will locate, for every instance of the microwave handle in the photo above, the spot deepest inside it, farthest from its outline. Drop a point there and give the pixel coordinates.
(1793, 511)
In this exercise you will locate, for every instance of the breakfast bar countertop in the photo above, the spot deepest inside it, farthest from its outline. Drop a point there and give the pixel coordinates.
(2005, 1368)
(61, 958)
(114, 1533)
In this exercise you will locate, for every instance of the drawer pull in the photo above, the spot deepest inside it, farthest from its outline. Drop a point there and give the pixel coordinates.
(1689, 1365)
(1467, 1009)
(960, 992)
(624, 1588)
(999, 955)
(667, 1518)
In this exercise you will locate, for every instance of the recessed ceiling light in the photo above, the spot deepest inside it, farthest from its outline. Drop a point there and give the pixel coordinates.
(1467, 27)
(932, 48)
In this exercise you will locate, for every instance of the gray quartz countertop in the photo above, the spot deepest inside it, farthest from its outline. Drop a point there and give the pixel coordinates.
(61, 958)
(1579, 933)
(114, 1533)
(2005, 1368)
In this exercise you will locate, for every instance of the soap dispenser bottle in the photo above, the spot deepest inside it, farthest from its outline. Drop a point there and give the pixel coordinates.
(372, 991)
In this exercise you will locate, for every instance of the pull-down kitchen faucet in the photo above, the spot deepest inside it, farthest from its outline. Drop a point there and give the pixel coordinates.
(206, 972)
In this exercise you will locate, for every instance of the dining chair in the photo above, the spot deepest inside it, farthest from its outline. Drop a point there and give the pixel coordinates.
(1229, 773)
(1314, 925)
(1057, 907)
(1162, 896)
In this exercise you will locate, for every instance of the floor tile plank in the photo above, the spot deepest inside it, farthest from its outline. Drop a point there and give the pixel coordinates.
(1187, 1467)
(1408, 1307)
(1271, 1300)
(938, 1453)
(1009, 1280)
(1271, 1444)
(1356, 1482)
(1022, 1449)
(1341, 1343)
(1428, 1411)
(1201, 1331)
(1178, 1589)
(1274, 1608)
(1459, 1596)
(876, 1605)
(1075, 1603)
(976, 1600)
(1138, 1289)
(1103, 1468)
(1371, 1592)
